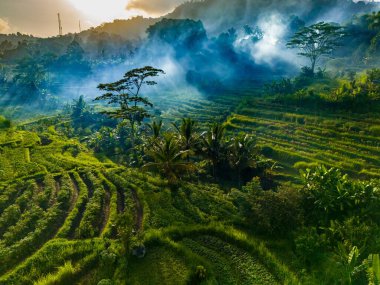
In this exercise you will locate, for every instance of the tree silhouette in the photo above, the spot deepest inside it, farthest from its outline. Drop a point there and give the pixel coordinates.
(213, 145)
(188, 136)
(316, 41)
(242, 154)
(126, 94)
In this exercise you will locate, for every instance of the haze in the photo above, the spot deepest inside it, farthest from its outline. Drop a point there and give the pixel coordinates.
(39, 17)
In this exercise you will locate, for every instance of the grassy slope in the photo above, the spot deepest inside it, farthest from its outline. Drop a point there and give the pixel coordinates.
(182, 230)
(65, 206)
(299, 138)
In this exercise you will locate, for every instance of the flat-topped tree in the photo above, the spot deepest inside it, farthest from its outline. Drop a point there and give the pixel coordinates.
(126, 93)
(317, 40)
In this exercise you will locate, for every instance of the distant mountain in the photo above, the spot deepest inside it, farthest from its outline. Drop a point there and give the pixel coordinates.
(132, 29)
(219, 15)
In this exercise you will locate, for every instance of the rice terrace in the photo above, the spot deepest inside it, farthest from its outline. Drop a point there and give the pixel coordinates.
(190, 142)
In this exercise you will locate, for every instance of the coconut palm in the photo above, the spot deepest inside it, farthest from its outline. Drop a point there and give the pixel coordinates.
(213, 145)
(168, 159)
(242, 153)
(156, 127)
(188, 136)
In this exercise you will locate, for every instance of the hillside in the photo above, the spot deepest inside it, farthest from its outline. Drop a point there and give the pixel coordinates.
(228, 142)
(242, 12)
(133, 29)
(60, 198)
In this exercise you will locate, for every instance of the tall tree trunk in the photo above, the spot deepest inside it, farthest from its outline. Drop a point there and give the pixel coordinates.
(313, 63)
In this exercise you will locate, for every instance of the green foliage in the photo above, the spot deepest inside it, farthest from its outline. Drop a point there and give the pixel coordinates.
(373, 270)
(268, 212)
(309, 245)
(188, 136)
(317, 40)
(348, 259)
(126, 94)
(242, 154)
(124, 227)
(89, 225)
(354, 231)
(199, 275)
(233, 238)
(361, 90)
(282, 87)
(332, 195)
(213, 145)
(168, 159)
(64, 272)
(156, 128)
(4, 123)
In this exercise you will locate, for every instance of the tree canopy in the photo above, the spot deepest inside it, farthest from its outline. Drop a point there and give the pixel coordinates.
(317, 40)
(126, 93)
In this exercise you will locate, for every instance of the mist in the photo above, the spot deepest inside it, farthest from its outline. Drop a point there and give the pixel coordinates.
(205, 48)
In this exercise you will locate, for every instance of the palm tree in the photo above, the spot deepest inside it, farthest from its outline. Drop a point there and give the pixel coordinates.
(213, 145)
(242, 154)
(374, 21)
(187, 134)
(168, 159)
(156, 127)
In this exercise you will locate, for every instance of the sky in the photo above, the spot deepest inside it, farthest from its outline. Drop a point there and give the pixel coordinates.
(39, 17)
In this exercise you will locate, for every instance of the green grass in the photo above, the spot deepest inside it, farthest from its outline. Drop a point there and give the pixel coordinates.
(161, 265)
(300, 139)
(58, 216)
(58, 209)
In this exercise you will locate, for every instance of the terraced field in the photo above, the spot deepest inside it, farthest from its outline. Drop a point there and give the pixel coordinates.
(204, 109)
(293, 136)
(232, 263)
(298, 138)
(59, 207)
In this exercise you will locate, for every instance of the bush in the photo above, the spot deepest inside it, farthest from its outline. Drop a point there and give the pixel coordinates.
(199, 275)
(375, 130)
(4, 123)
(277, 213)
(309, 245)
(354, 232)
(331, 195)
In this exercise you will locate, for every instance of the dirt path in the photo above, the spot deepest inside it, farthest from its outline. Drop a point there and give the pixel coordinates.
(78, 218)
(75, 195)
(120, 200)
(57, 188)
(106, 209)
(139, 210)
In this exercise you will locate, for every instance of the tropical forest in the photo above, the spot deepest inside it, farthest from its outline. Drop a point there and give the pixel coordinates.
(189, 142)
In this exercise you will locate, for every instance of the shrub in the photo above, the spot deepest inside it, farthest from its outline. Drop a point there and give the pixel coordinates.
(4, 123)
(331, 195)
(375, 130)
(309, 245)
(276, 213)
(199, 275)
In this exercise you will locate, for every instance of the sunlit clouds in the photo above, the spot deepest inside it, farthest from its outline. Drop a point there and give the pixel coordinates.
(98, 11)
(154, 7)
(4, 26)
(39, 17)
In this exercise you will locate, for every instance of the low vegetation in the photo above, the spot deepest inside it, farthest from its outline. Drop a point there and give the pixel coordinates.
(278, 183)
